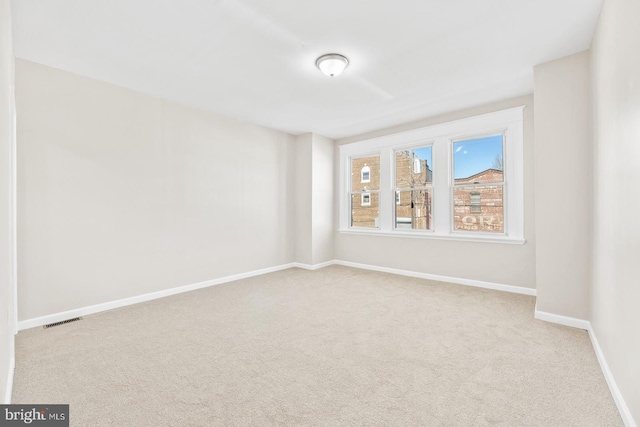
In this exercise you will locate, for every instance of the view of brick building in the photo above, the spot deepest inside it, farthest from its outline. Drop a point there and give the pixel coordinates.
(479, 208)
(476, 207)
(365, 187)
(413, 207)
(412, 199)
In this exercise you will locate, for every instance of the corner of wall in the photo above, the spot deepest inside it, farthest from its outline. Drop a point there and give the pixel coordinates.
(322, 163)
(314, 199)
(615, 113)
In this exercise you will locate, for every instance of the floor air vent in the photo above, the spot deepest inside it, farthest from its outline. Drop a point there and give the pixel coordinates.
(51, 325)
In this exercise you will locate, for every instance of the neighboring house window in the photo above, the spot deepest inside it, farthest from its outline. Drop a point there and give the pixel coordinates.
(417, 165)
(475, 203)
(461, 179)
(365, 174)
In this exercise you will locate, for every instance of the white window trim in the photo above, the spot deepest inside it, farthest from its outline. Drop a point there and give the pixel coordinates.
(440, 136)
(362, 196)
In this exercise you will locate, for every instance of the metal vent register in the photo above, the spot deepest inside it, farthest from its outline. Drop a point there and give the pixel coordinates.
(51, 325)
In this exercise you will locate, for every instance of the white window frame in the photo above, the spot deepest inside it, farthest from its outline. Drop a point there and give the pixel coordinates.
(499, 184)
(441, 138)
(362, 196)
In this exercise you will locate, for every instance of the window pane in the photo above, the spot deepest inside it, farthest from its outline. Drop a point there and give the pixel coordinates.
(413, 210)
(413, 168)
(478, 160)
(365, 173)
(478, 209)
(363, 214)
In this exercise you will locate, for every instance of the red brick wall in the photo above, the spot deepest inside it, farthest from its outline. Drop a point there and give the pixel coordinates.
(491, 215)
(365, 216)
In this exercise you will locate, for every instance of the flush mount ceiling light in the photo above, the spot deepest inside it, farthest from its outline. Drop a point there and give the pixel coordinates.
(332, 64)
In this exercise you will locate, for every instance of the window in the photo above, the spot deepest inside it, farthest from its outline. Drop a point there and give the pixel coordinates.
(364, 193)
(478, 184)
(413, 188)
(476, 206)
(365, 174)
(460, 180)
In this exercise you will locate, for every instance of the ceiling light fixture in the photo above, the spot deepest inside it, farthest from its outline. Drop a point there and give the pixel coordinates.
(332, 64)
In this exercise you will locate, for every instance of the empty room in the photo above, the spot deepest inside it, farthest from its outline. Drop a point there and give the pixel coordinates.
(250, 213)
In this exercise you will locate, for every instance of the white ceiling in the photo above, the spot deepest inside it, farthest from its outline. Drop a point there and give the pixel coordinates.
(255, 60)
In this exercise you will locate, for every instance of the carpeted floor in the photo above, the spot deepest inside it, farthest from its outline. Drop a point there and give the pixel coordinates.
(336, 346)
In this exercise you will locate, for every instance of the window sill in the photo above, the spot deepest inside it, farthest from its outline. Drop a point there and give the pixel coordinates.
(429, 235)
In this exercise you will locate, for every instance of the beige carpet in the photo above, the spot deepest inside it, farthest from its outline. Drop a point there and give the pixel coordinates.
(336, 346)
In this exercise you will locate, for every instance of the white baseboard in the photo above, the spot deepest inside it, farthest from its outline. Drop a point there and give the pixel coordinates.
(9, 388)
(84, 311)
(457, 280)
(627, 418)
(313, 266)
(561, 320)
(625, 413)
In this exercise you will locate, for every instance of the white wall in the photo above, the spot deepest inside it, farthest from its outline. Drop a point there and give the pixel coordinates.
(489, 262)
(314, 199)
(615, 292)
(323, 197)
(122, 194)
(563, 185)
(7, 324)
(303, 197)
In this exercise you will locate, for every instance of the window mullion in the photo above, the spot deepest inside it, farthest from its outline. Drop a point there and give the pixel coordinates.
(387, 202)
(441, 186)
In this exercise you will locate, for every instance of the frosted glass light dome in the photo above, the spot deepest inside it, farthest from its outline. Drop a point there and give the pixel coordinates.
(332, 64)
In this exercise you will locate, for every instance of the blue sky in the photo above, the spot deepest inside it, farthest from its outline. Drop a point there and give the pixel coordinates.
(469, 156)
(475, 155)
